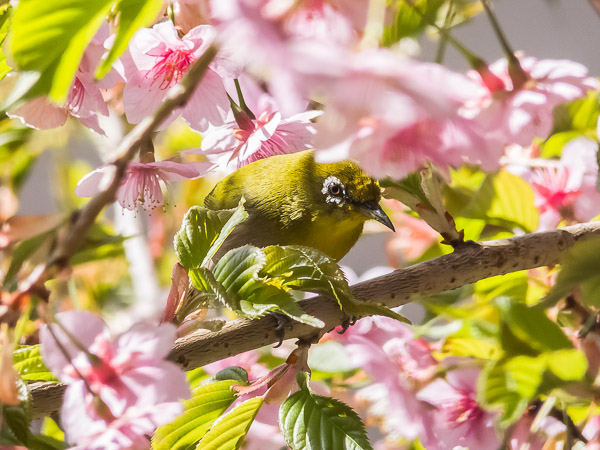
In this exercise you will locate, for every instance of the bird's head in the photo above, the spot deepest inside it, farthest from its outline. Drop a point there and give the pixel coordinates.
(345, 189)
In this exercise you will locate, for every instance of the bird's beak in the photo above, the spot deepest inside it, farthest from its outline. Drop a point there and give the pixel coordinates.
(374, 211)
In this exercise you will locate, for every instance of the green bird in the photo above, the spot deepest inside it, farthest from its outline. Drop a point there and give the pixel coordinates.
(293, 200)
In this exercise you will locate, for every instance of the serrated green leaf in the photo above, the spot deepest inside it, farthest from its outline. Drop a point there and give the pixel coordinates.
(49, 37)
(235, 373)
(229, 432)
(532, 327)
(27, 362)
(580, 266)
(238, 270)
(200, 412)
(504, 199)
(311, 421)
(132, 15)
(202, 232)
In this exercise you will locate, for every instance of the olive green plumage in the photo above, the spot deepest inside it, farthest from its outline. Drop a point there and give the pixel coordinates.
(292, 200)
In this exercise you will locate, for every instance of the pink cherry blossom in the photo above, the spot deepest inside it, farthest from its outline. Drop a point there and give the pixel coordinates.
(84, 100)
(279, 41)
(141, 186)
(116, 392)
(458, 419)
(393, 115)
(564, 189)
(157, 59)
(516, 114)
(386, 351)
(266, 136)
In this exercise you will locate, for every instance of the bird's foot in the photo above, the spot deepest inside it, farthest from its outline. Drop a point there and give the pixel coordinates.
(347, 323)
(282, 321)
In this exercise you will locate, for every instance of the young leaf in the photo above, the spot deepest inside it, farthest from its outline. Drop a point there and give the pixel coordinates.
(48, 39)
(28, 363)
(229, 432)
(4, 24)
(508, 385)
(311, 421)
(202, 232)
(200, 412)
(248, 291)
(532, 327)
(504, 199)
(579, 267)
(132, 15)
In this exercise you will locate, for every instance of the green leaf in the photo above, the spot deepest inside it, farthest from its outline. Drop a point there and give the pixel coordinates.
(406, 21)
(28, 363)
(17, 418)
(508, 385)
(532, 327)
(568, 365)
(4, 25)
(48, 39)
(506, 200)
(132, 15)
(513, 285)
(311, 421)
(202, 232)
(229, 432)
(200, 412)
(24, 251)
(580, 266)
(99, 244)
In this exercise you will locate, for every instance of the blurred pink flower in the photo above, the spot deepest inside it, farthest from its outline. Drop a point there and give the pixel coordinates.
(567, 189)
(523, 437)
(157, 59)
(84, 100)
(413, 236)
(116, 392)
(393, 115)
(386, 350)
(141, 186)
(458, 419)
(516, 114)
(239, 144)
(279, 41)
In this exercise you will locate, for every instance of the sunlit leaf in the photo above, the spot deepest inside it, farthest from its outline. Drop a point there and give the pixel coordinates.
(202, 232)
(229, 432)
(580, 266)
(532, 327)
(200, 412)
(48, 39)
(28, 363)
(131, 16)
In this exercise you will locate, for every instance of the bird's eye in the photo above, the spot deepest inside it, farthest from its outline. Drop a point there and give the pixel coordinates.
(335, 189)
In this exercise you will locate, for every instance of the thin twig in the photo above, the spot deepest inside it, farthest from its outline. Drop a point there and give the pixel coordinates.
(466, 265)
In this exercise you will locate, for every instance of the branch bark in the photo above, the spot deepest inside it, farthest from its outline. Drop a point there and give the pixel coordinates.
(467, 264)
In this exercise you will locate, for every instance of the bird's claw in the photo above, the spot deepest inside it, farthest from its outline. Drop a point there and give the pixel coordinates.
(282, 321)
(347, 323)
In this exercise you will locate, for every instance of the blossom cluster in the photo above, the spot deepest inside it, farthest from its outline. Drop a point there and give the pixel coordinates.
(116, 391)
(386, 110)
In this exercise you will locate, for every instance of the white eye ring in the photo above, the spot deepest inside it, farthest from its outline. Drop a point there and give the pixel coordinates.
(334, 189)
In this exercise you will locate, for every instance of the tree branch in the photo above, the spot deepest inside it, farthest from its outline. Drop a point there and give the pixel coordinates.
(467, 264)
(83, 219)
